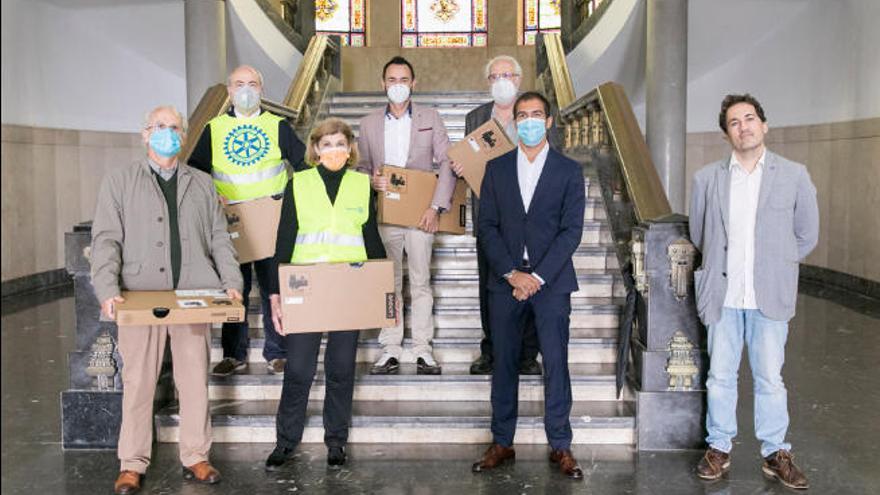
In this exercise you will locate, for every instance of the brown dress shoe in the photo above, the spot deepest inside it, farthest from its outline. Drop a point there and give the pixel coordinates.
(203, 472)
(567, 464)
(713, 465)
(780, 465)
(127, 483)
(495, 456)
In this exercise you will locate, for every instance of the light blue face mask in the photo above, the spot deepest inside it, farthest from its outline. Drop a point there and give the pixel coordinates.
(531, 130)
(165, 142)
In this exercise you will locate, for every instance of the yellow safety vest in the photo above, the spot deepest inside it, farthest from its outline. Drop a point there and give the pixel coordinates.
(246, 157)
(330, 233)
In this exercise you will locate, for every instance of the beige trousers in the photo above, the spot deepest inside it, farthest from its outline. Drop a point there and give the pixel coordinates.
(418, 246)
(142, 349)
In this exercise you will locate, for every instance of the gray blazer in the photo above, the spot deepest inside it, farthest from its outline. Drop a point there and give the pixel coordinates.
(787, 229)
(130, 238)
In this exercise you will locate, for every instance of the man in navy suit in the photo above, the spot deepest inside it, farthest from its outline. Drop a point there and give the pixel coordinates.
(530, 224)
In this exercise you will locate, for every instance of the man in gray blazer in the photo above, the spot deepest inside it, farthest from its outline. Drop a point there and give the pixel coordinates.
(753, 216)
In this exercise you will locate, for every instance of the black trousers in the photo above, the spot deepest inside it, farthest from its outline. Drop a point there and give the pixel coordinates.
(302, 361)
(529, 335)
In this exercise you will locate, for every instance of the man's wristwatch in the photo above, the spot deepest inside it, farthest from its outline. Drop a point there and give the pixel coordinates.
(509, 274)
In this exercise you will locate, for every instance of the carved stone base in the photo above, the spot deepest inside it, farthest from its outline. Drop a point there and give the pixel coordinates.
(671, 420)
(90, 420)
(651, 366)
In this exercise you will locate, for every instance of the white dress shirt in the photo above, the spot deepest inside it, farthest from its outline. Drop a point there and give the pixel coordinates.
(528, 173)
(397, 132)
(743, 209)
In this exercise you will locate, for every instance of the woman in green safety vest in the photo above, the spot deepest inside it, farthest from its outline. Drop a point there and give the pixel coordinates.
(327, 215)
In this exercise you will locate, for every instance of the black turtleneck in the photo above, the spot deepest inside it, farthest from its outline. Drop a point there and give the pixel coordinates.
(287, 225)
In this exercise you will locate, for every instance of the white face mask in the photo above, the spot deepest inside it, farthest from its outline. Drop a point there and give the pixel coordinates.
(246, 99)
(503, 91)
(398, 93)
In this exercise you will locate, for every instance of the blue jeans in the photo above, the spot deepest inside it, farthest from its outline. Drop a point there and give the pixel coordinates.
(765, 339)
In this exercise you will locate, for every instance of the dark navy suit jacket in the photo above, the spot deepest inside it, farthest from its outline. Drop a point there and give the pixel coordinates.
(551, 229)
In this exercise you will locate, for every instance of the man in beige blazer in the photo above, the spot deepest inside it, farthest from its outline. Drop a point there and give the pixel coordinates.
(404, 134)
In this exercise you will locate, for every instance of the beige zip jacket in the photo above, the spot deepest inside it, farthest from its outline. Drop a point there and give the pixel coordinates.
(130, 237)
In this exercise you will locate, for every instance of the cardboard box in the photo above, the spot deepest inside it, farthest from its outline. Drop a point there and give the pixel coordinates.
(177, 307)
(476, 149)
(327, 297)
(409, 194)
(253, 227)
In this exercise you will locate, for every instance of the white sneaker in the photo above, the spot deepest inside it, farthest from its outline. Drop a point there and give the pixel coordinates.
(388, 364)
(425, 364)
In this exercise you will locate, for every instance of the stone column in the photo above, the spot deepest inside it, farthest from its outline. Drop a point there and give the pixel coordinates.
(205, 25)
(666, 94)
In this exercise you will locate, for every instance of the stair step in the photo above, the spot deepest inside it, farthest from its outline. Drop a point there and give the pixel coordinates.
(234, 421)
(376, 98)
(588, 382)
(256, 332)
(450, 350)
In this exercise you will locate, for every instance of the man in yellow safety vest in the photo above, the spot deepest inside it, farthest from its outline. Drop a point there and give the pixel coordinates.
(245, 151)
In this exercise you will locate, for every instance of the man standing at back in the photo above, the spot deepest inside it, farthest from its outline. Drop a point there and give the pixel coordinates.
(403, 134)
(504, 75)
(244, 150)
(531, 224)
(753, 216)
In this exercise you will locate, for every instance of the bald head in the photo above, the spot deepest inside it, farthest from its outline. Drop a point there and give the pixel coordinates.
(244, 75)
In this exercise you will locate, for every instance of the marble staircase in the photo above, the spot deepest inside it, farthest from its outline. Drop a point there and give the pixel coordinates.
(453, 407)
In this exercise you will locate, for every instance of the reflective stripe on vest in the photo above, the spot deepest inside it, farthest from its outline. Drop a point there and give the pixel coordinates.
(246, 157)
(330, 232)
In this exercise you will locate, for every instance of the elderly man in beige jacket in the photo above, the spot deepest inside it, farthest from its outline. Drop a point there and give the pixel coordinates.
(159, 226)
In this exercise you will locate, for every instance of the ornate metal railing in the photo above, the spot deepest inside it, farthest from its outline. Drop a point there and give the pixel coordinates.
(319, 75)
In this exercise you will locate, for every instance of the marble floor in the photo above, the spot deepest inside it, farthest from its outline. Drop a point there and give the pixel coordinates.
(832, 374)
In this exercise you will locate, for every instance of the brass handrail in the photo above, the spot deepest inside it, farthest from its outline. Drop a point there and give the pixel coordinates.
(604, 117)
(314, 80)
(214, 102)
(563, 87)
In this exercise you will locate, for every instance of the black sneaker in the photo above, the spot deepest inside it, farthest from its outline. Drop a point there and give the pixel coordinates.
(425, 365)
(386, 365)
(336, 456)
(530, 367)
(228, 366)
(278, 458)
(482, 365)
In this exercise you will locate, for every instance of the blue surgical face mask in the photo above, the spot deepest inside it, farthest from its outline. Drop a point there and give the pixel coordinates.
(531, 130)
(165, 142)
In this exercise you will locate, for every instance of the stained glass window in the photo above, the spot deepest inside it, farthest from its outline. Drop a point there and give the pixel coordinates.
(539, 16)
(443, 23)
(347, 18)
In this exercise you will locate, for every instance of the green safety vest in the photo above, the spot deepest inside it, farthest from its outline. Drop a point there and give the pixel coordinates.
(330, 233)
(247, 160)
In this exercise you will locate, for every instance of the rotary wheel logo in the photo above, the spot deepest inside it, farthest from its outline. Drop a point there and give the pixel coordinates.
(246, 145)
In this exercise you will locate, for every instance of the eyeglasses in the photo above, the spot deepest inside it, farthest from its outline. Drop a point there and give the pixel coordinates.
(503, 75)
(161, 127)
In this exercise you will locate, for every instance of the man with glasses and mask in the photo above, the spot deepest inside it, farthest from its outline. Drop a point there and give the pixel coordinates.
(150, 217)
(530, 224)
(244, 150)
(504, 75)
(404, 134)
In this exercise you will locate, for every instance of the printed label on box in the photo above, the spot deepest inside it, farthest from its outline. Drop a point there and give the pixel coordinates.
(191, 303)
(233, 235)
(298, 282)
(392, 195)
(293, 300)
(200, 293)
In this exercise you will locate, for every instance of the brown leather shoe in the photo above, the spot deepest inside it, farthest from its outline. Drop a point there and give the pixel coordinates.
(713, 465)
(127, 483)
(780, 465)
(202, 472)
(567, 464)
(495, 456)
